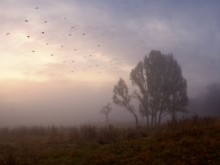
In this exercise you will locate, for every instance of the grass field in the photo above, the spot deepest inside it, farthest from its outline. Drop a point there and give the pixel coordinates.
(194, 141)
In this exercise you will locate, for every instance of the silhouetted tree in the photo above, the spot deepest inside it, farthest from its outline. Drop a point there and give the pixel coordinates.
(106, 110)
(162, 88)
(175, 87)
(138, 78)
(122, 98)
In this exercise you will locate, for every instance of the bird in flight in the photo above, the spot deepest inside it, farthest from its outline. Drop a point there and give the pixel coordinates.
(28, 36)
(45, 21)
(7, 34)
(26, 20)
(36, 8)
(42, 32)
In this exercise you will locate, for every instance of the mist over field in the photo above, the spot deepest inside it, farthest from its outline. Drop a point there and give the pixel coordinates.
(55, 104)
(60, 60)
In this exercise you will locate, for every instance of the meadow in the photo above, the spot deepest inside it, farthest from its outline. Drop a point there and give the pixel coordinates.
(192, 141)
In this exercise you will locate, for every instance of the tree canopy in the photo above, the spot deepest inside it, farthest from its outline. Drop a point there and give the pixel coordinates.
(161, 88)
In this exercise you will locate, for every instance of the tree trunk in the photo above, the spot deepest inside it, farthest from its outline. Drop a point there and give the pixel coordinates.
(173, 111)
(173, 116)
(136, 120)
(147, 111)
(160, 117)
(155, 118)
(152, 119)
(148, 124)
(106, 124)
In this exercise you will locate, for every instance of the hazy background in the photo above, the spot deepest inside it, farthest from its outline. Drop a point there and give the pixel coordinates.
(59, 60)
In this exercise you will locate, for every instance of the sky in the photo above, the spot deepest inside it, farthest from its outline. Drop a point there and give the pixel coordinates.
(61, 59)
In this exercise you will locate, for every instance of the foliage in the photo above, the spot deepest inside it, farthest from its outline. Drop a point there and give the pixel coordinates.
(162, 88)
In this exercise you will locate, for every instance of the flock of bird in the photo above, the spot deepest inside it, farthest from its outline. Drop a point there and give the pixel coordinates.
(94, 63)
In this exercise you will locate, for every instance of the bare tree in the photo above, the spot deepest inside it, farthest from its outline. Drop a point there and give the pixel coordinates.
(122, 98)
(106, 110)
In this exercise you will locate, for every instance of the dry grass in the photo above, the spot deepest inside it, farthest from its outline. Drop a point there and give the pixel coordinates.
(187, 141)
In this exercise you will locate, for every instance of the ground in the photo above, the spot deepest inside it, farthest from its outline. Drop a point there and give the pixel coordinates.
(192, 141)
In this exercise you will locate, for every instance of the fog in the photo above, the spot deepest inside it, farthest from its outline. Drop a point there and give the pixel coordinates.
(60, 60)
(56, 103)
(207, 103)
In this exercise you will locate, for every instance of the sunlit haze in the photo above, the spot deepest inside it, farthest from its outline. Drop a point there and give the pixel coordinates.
(61, 59)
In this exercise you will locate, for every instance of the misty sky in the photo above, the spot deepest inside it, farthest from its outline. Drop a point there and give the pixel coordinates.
(61, 59)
